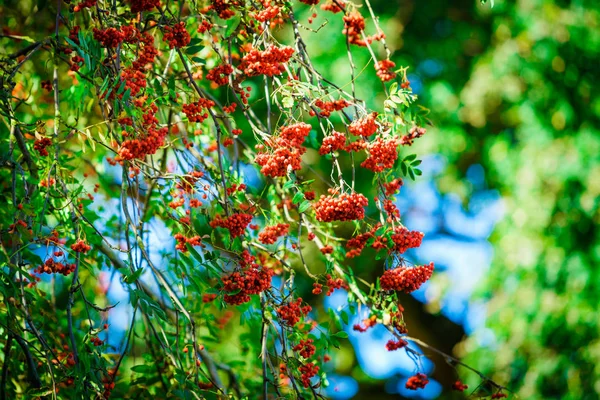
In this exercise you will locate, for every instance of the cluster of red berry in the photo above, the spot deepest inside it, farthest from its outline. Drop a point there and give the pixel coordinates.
(112, 37)
(268, 13)
(285, 151)
(222, 8)
(365, 126)
(333, 142)
(404, 239)
(393, 186)
(358, 242)
(414, 133)
(307, 371)
(196, 112)
(391, 210)
(84, 4)
(55, 267)
(345, 207)
(368, 323)
(250, 279)
(40, 145)
(143, 5)
(406, 279)
(146, 52)
(392, 345)
(220, 75)
(96, 341)
(80, 246)
(292, 312)
(236, 223)
(176, 35)
(305, 348)
(327, 107)
(459, 386)
(182, 241)
(499, 395)
(270, 234)
(382, 154)
(134, 79)
(268, 62)
(334, 284)
(418, 381)
(334, 7)
(354, 25)
(140, 148)
(383, 68)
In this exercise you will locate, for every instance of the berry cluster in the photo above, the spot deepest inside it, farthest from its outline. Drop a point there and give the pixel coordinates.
(268, 62)
(354, 25)
(55, 267)
(140, 148)
(250, 279)
(404, 239)
(220, 75)
(383, 70)
(327, 107)
(459, 386)
(270, 234)
(147, 52)
(334, 284)
(326, 249)
(267, 14)
(414, 133)
(134, 79)
(182, 241)
(80, 246)
(334, 7)
(382, 155)
(112, 37)
(317, 288)
(406, 279)
(499, 396)
(286, 151)
(365, 126)
(333, 142)
(345, 207)
(196, 112)
(176, 35)
(292, 312)
(392, 345)
(96, 341)
(392, 187)
(40, 145)
(305, 348)
(222, 8)
(368, 323)
(418, 381)
(143, 5)
(308, 371)
(236, 223)
(392, 210)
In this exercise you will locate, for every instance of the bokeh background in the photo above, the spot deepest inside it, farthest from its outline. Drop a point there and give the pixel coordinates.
(509, 199)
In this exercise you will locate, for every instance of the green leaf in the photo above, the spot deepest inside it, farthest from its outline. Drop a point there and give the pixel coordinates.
(305, 205)
(287, 102)
(134, 277)
(410, 157)
(298, 197)
(341, 334)
(193, 49)
(232, 24)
